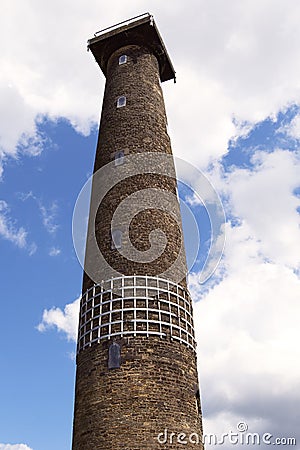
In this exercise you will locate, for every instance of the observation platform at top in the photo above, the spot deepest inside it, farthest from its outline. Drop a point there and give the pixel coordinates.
(140, 30)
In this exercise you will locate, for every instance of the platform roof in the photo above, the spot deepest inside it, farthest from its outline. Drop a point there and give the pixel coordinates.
(140, 30)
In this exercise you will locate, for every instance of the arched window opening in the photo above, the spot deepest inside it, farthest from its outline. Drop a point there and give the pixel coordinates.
(116, 241)
(122, 59)
(121, 101)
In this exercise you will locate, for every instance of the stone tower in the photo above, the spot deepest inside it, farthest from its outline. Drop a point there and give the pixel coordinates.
(136, 380)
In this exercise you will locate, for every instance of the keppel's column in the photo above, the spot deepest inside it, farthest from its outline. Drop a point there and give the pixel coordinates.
(136, 373)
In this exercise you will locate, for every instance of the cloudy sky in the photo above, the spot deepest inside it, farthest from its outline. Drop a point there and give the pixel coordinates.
(234, 113)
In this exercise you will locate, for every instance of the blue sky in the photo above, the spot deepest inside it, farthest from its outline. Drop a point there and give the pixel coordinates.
(234, 114)
(35, 366)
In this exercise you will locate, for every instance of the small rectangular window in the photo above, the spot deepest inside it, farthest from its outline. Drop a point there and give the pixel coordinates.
(114, 356)
(122, 59)
(121, 101)
(116, 241)
(119, 158)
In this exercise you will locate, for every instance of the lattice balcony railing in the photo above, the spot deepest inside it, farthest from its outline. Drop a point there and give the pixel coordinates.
(136, 305)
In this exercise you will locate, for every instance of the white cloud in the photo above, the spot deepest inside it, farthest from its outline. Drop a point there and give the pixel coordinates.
(218, 428)
(247, 324)
(200, 104)
(8, 229)
(65, 321)
(17, 119)
(54, 251)
(247, 348)
(48, 213)
(263, 199)
(32, 248)
(14, 447)
(293, 129)
(10, 232)
(230, 62)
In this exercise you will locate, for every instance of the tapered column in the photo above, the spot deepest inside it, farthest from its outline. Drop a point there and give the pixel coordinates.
(136, 362)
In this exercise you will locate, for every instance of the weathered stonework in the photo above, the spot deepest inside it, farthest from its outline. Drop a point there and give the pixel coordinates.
(154, 389)
(139, 127)
(125, 400)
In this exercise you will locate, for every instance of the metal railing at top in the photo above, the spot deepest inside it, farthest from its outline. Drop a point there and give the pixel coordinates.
(127, 22)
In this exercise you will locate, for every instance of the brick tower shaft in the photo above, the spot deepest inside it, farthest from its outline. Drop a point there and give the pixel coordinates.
(136, 362)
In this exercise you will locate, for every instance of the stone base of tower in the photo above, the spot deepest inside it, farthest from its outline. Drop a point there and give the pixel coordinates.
(147, 403)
